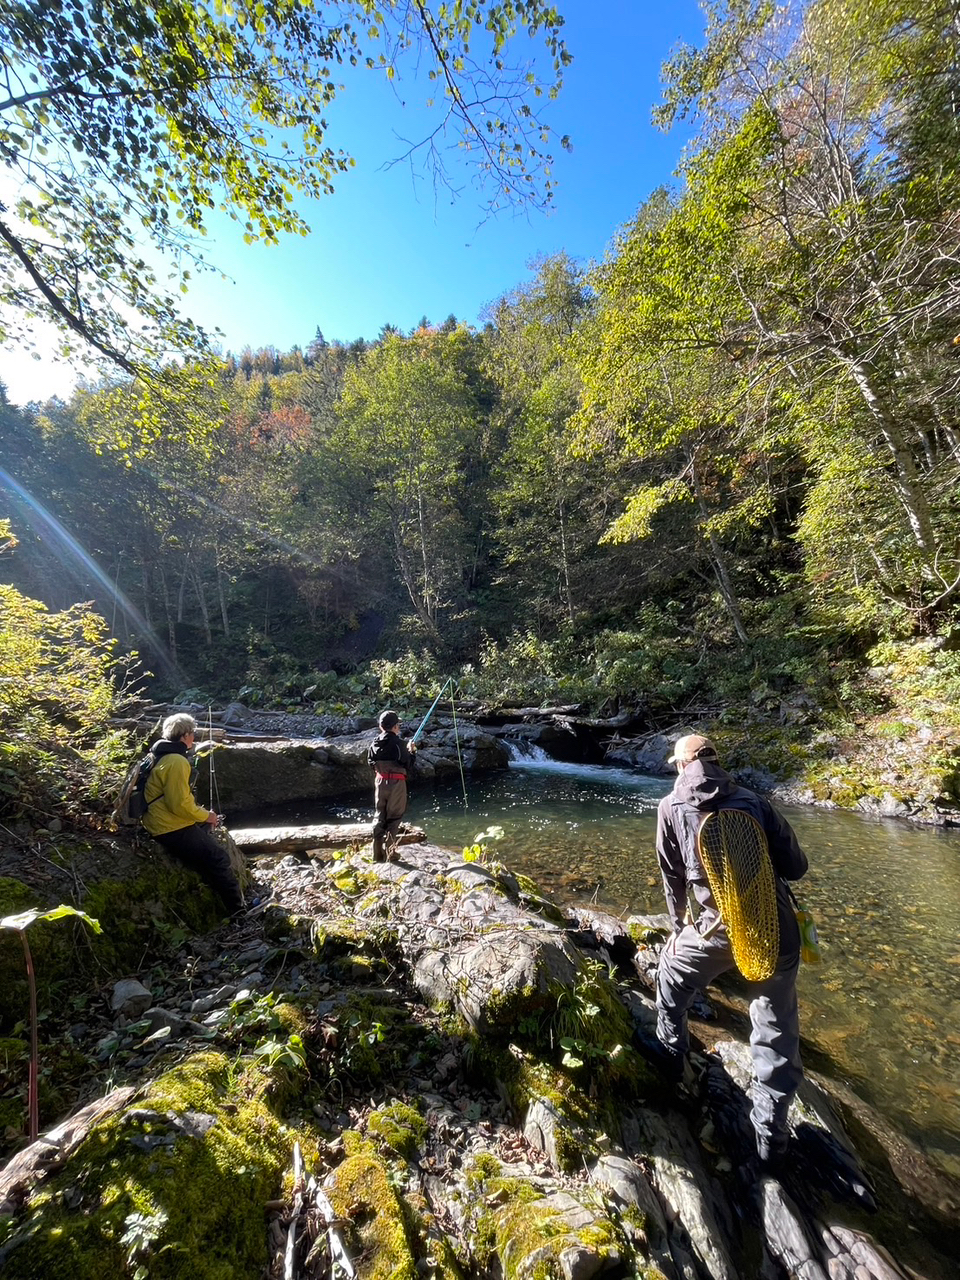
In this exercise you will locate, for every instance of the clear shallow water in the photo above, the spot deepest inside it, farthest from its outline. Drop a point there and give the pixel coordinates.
(885, 1004)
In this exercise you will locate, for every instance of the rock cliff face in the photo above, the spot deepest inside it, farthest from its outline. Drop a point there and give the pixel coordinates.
(425, 1068)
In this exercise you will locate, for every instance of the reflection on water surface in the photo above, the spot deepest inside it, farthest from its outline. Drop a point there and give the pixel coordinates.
(886, 897)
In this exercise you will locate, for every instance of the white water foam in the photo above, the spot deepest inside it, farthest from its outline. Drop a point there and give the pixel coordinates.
(527, 755)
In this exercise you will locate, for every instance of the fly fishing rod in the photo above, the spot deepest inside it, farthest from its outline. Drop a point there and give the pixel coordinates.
(423, 723)
(214, 789)
(447, 684)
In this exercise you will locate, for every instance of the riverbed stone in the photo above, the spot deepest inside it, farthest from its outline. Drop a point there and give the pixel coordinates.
(257, 775)
(130, 998)
(643, 1222)
(787, 1235)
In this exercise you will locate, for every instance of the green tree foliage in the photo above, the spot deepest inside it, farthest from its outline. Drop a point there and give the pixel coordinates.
(661, 385)
(55, 670)
(60, 680)
(546, 500)
(124, 124)
(410, 431)
(712, 467)
(846, 263)
(797, 300)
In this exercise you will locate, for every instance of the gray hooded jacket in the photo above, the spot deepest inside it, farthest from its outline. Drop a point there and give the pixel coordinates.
(701, 788)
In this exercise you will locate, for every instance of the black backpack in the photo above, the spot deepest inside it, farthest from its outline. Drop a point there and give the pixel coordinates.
(138, 805)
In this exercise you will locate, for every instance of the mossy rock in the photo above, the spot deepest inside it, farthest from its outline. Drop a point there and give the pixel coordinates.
(398, 1128)
(533, 897)
(645, 935)
(530, 1233)
(573, 1121)
(379, 1235)
(175, 1184)
(350, 880)
(368, 948)
(281, 925)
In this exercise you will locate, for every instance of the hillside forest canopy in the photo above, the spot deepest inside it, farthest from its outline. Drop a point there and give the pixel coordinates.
(717, 469)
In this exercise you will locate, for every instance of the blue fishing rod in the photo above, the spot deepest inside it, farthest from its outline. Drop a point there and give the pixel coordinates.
(447, 684)
(423, 723)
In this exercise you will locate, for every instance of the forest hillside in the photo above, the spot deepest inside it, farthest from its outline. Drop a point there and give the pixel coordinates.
(712, 478)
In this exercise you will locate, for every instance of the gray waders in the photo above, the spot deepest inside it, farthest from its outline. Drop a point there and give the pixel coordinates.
(390, 798)
(688, 963)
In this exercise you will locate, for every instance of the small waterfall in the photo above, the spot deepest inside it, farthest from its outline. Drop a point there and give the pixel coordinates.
(523, 752)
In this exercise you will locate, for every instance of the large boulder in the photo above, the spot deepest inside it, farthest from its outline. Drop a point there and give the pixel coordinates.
(256, 775)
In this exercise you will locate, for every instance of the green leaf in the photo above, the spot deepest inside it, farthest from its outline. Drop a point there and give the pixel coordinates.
(26, 918)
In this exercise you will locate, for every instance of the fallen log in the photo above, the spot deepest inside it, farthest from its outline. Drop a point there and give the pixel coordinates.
(300, 839)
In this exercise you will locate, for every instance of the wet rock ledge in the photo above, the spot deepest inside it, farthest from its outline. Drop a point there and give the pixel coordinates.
(427, 1069)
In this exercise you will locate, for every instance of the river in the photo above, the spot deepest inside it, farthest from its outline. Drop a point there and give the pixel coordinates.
(885, 1003)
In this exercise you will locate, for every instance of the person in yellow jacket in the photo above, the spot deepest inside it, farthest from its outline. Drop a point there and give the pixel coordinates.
(177, 822)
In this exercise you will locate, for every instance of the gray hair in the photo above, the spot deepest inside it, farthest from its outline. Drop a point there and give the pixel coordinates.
(174, 727)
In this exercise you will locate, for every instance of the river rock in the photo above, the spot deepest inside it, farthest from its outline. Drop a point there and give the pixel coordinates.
(234, 714)
(691, 1196)
(676, 1191)
(602, 930)
(787, 1235)
(630, 1189)
(496, 977)
(648, 753)
(130, 998)
(165, 1020)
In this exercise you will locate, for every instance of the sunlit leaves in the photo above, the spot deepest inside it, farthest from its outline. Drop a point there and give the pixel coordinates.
(55, 670)
(635, 524)
(118, 119)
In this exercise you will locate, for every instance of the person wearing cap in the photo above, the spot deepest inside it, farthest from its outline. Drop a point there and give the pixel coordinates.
(391, 758)
(697, 953)
(177, 822)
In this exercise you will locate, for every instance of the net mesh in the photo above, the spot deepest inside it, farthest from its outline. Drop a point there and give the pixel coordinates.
(733, 849)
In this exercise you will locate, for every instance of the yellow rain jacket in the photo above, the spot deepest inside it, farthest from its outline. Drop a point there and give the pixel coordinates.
(171, 805)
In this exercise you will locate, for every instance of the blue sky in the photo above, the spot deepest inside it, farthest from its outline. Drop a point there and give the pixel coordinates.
(385, 249)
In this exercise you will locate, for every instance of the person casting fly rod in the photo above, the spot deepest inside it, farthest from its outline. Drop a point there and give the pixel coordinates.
(392, 759)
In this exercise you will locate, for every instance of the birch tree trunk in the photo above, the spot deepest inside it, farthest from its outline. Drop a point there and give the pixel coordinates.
(221, 594)
(907, 484)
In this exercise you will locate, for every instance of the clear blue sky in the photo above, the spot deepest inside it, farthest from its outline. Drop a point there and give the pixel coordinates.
(384, 249)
